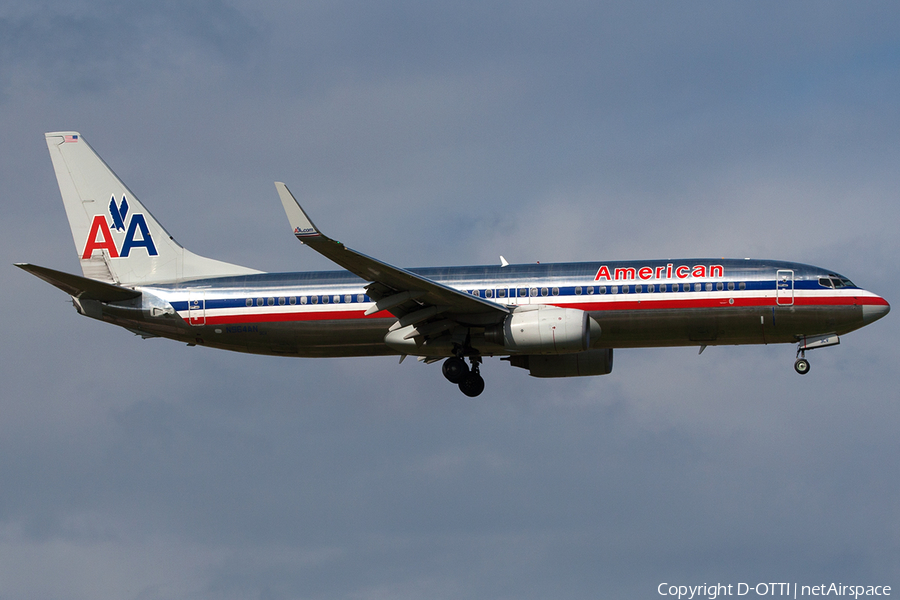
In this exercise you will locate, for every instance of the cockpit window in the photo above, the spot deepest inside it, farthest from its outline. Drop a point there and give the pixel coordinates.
(839, 282)
(825, 282)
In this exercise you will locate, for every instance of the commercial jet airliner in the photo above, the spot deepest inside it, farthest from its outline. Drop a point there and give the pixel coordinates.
(554, 320)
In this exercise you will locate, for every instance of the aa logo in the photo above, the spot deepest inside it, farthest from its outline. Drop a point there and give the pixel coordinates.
(137, 234)
(118, 212)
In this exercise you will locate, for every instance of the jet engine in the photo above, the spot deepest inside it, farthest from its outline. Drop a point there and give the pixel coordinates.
(544, 330)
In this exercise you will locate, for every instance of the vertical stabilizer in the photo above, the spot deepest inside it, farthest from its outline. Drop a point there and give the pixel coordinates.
(116, 238)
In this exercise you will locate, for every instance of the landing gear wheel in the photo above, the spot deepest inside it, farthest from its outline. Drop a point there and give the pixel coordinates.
(801, 365)
(472, 385)
(455, 369)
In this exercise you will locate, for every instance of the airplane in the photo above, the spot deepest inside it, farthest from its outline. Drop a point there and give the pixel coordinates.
(553, 320)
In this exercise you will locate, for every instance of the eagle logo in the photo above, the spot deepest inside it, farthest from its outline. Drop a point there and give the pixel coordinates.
(118, 213)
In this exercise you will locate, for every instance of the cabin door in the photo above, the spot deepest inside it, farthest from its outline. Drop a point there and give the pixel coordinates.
(197, 308)
(784, 287)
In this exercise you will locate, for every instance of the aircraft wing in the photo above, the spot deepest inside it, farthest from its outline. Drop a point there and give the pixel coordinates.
(410, 297)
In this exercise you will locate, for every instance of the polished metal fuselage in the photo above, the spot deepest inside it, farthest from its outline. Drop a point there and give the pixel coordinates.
(635, 303)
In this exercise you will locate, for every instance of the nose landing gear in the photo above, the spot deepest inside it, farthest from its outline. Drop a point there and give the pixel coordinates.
(469, 380)
(801, 365)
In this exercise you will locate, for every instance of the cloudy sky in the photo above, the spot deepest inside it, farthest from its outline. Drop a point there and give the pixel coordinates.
(425, 135)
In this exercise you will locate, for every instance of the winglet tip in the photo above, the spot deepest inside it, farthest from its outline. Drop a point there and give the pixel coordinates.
(300, 222)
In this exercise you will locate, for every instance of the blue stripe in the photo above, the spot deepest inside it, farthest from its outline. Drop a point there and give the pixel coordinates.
(564, 292)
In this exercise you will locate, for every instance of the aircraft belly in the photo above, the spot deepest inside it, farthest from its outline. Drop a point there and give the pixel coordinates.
(363, 337)
(743, 325)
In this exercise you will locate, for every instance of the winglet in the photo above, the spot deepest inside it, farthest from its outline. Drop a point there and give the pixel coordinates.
(301, 224)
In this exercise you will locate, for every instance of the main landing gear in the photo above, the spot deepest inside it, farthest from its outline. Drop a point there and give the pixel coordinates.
(457, 371)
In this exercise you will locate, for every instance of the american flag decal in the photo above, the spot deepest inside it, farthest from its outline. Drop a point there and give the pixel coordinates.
(70, 138)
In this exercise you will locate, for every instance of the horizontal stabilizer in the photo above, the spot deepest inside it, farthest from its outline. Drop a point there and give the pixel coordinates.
(81, 287)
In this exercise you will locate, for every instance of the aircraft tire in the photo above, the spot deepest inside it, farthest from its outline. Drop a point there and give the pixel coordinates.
(801, 366)
(472, 385)
(455, 369)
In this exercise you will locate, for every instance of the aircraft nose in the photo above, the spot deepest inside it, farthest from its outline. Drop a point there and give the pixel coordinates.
(873, 312)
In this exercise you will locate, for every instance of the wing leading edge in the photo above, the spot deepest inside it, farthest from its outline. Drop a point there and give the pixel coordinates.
(393, 288)
(428, 313)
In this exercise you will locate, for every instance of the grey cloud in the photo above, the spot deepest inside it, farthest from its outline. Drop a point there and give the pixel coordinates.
(431, 135)
(101, 46)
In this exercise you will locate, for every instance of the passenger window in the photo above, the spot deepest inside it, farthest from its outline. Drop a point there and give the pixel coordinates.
(730, 286)
(720, 286)
(501, 293)
(742, 285)
(281, 302)
(302, 299)
(625, 289)
(293, 300)
(544, 291)
(533, 292)
(555, 291)
(523, 292)
(698, 287)
(638, 289)
(314, 299)
(260, 302)
(360, 298)
(488, 293)
(325, 299)
(271, 302)
(578, 290)
(249, 302)
(590, 290)
(602, 289)
(709, 287)
(614, 289)
(651, 288)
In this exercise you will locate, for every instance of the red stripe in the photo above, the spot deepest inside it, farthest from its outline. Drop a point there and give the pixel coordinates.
(611, 305)
(632, 304)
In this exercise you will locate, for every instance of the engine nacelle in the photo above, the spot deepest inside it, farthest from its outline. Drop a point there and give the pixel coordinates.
(581, 364)
(543, 330)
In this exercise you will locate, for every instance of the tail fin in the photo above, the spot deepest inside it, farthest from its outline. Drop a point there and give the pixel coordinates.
(116, 238)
